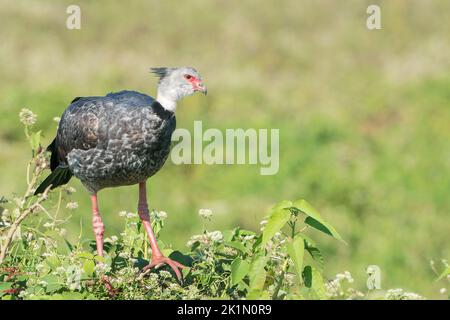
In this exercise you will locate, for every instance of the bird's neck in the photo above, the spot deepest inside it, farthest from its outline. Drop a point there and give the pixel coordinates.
(167, 102)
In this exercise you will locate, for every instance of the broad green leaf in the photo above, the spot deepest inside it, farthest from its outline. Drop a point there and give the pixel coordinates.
(239, 269)
(315, 253)
(88, 267)
(314, 281)
(253, 295)
(257, 273)
(315, 220)
(53, 283)
(318, 284)
(258, 295)
(296, 249)
(100, 259)
(228, 235)
(274, 224)
(53, 262)
(85, 255)
(285, 204)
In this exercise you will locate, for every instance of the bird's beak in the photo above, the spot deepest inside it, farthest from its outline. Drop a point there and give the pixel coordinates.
(200, 86)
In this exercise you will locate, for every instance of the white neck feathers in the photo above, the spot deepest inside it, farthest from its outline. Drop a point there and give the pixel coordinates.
(167, 103)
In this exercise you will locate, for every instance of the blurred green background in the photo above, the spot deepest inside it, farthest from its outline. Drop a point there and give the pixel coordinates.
(364, 116)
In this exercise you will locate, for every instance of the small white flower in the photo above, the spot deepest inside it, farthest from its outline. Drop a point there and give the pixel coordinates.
(122, 213)
(39, 267)
(165, 274)
(205, 213)
(215, 236)
(62, 232)
(48, 224)
(72, 205)
(27, 117)
(124, 255)
(173, 286)
(130, 215)
(60, 270)
(443, 291)
(161, 215)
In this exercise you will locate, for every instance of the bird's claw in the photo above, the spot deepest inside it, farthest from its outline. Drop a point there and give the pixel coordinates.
(158, 262)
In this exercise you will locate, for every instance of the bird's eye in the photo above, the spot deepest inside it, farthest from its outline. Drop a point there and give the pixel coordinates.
(188, 76)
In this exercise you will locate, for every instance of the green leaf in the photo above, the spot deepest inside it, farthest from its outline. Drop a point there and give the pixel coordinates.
(89, 267)
(53, 283)
(314, 281)
(314, 252)
(239, 269)
(257, 273)
(307, 276)
(228, 235)
(315, 220)
(296, 249)
(53, 262)
(85, 255)
(5, 286)
(318, 284)
(276, 221)
(35, 140)
(237, 245)
(258, 295)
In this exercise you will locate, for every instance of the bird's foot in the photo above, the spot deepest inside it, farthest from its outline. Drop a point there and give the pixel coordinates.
(159, 261)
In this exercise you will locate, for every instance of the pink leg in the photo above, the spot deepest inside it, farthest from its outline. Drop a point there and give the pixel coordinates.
(99, 230)
(97, 223)
(157, 257)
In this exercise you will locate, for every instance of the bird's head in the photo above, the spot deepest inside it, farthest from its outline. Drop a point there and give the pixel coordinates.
(177, 83)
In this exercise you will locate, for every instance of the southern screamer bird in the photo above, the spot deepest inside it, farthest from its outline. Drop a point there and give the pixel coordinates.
(120, 139)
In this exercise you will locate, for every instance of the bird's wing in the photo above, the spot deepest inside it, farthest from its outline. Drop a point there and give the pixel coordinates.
(78, 129)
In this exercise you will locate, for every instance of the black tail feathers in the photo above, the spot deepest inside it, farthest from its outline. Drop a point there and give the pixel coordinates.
(59, 176)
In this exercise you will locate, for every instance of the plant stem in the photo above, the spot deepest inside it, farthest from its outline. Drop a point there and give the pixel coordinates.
(18, 221)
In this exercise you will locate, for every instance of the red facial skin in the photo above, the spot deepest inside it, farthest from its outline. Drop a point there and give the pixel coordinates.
(197, 84)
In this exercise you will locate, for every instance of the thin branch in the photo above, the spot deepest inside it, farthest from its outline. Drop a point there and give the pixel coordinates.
(18, 221)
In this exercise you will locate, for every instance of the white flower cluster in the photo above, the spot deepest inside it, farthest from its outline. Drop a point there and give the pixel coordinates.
(127, 214)
(206, 238)
(27, 117)
(159, 215)
(334, 287)
(400, 294)
(112, 240)
(205, 213)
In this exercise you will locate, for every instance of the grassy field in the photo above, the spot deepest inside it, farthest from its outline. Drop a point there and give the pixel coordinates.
(363, 115)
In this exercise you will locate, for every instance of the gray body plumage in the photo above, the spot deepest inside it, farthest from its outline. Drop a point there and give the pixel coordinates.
(120, 139)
